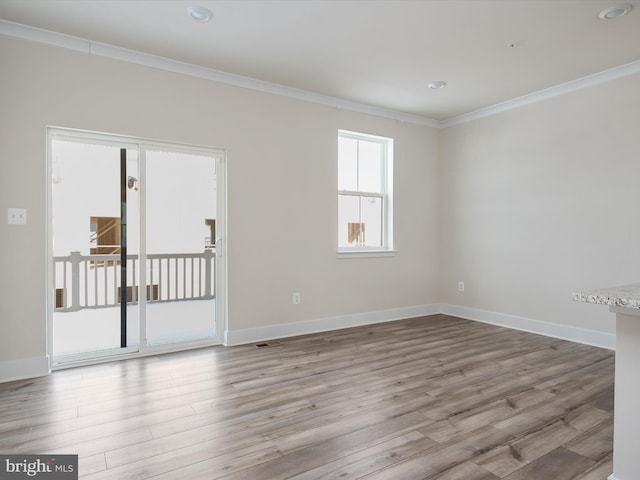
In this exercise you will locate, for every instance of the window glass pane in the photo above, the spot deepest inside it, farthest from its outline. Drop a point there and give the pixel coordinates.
(348, 215)
(181, 196)
(371, 218)
(370, 167)
(347, 164)
(363, 170)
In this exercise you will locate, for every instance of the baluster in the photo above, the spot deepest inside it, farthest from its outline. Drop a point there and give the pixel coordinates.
(208, 255)
(115, 269)
(75, 280)
(64, 284)
(105, 268)
(134, 290)
(151, 276)
(87, 265)
(175, 263)
(160, 284)
(184, 277)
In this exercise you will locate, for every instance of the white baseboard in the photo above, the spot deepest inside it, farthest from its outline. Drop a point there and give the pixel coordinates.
(39, 366)
(24, 368)
(283, 330)
(549, 329)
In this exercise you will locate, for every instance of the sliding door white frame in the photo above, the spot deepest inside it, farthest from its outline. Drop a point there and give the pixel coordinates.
(141, 145)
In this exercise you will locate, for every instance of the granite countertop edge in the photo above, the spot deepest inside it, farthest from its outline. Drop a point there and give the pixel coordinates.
(625, 296)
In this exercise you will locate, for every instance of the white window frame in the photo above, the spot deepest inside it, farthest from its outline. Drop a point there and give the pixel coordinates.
(386, 249)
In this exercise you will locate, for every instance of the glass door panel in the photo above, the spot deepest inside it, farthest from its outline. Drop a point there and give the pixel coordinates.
(89, 238)
(180, 262)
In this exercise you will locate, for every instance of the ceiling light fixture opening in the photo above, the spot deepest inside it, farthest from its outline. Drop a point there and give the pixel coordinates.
(200, 14)
(615, 12)
(437, 85)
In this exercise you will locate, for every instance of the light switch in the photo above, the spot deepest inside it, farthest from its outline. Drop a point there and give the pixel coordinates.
(17, 216)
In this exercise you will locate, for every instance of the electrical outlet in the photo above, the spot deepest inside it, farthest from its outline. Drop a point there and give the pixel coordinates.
(461, 286)
(296, 298)
(17, 216)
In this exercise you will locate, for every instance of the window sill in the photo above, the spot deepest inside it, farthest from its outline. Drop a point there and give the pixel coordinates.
(365, 253)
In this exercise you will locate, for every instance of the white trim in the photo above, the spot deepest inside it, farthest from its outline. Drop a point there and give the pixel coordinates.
(24, 368)
(154, 61)
(47, 37)
(598, 78)
(365, 253)
(35, 367)
(127, 141)
(611, 477)
(549, 329)
(222, 276)
(90, 357)
(540, 327)
(48, 228)
(143, 246)
(162, 63)
(385, 195)
(305, 327)
(116, 355)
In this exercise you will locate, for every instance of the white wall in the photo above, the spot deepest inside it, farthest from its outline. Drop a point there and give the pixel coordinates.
(542, 201)
(525, 206)
(282, 200)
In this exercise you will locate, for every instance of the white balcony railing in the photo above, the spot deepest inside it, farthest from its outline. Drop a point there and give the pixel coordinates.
(93, 281)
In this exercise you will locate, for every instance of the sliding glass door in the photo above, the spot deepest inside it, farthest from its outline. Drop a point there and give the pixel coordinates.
(133, 252)
(90, 220)
(181, 243)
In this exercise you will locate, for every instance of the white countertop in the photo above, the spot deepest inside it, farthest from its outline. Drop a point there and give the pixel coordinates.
(626, 296)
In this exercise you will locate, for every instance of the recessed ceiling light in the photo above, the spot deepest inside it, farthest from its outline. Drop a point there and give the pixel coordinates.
(437, 85)
(200, 14)
(615, 12)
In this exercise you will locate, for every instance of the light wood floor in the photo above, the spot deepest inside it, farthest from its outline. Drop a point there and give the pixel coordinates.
(435, 397)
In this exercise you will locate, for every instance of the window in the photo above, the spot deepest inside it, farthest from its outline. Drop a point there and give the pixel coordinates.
(104, 239)
(364, 192)
(210, 239)
(104, 235)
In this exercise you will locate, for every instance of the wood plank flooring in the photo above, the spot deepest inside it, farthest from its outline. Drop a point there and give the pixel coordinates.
(428, 398)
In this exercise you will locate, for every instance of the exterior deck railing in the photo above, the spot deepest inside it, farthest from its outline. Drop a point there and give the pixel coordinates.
(93, 281)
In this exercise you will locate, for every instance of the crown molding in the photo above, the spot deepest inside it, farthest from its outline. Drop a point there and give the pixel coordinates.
(162, 63)
(47, 37)
(614, 73)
